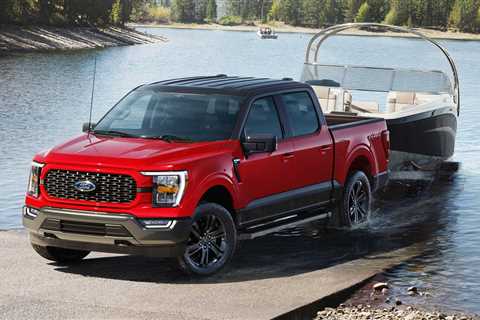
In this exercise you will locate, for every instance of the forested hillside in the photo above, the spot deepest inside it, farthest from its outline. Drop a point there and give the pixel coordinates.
(461, 15)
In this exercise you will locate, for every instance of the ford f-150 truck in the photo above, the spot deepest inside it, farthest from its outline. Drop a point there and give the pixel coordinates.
(187, 167)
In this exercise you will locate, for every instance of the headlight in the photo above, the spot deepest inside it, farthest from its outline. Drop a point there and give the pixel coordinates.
(34, 180)
(168, 187)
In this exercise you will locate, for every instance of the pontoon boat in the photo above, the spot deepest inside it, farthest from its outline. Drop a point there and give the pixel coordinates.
(421, 106)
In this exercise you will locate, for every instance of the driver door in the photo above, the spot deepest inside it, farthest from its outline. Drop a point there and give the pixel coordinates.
(265, 177)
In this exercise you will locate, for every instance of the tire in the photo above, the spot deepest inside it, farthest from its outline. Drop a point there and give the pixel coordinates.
(212, 241)
(355, 207)
(61, 255)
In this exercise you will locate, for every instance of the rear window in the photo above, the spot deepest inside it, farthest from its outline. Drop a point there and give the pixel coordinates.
(301, 113)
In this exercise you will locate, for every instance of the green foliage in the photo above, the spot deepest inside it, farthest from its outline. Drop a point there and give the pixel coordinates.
(158, 14)
(230, 20)
(351, 9)
(275, 12)
(183, 10)
(464, 15)
(372, 11)
(58, 12)
(399, 12)
(363, 12)
(211, 10)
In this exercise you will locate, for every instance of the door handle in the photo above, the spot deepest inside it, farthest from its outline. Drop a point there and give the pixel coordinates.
(326, 147)
(288, 155)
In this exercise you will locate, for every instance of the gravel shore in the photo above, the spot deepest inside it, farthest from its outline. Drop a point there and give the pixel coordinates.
(15, 38)
(283, 28)
(393, 313)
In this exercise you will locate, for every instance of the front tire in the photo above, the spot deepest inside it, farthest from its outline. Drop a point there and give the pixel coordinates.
(355, 207)
(212, 241)
(61, 255)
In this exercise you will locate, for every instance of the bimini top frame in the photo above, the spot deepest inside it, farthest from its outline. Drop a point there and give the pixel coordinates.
(312, 56)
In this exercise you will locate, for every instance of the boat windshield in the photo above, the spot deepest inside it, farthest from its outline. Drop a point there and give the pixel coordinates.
(172, 116)
(378, 79)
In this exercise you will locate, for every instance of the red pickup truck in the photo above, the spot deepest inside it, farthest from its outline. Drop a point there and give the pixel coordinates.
(188, 167)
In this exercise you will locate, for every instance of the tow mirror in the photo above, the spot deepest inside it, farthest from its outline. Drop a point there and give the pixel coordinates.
(88, 126)
(259, 144)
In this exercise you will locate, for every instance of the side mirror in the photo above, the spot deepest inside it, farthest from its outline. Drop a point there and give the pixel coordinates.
(88, 126)
(259, 144)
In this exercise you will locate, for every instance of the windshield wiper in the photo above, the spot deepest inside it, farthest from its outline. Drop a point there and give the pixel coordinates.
(171, 137)
(114, 133)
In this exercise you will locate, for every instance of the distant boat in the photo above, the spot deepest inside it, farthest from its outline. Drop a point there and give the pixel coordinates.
(266, 33)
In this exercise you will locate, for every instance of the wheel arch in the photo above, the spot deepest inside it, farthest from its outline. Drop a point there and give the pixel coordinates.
(361, 159)
(219, 190)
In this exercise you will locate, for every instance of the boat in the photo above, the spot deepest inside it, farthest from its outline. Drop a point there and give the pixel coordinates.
(266, 33)
(421, 106)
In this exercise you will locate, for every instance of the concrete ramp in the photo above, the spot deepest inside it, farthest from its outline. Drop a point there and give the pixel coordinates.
(268, 278)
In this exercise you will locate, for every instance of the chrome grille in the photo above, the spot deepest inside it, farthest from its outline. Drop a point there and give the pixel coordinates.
(110, 188)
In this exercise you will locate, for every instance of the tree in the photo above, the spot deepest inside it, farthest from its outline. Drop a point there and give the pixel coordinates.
(399, 12)
(291, 12)
(211, 10)
(311, 13)
(363, 12)
(351, 9)
(464, 14)
(183, 10)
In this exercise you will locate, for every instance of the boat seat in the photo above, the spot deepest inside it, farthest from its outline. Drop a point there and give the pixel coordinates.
(400, 101)
(326, 97)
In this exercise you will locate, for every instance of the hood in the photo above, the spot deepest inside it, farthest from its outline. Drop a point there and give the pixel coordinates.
(135, 153)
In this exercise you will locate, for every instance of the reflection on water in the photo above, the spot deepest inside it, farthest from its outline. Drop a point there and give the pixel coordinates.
(44, 99)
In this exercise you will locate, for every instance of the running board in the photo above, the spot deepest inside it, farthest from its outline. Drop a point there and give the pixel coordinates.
(279, 225)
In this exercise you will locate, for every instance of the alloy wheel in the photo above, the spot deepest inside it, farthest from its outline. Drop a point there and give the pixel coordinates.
(207, 242)
(358, 203)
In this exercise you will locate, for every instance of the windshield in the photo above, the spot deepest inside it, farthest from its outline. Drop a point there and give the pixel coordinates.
(146, 113)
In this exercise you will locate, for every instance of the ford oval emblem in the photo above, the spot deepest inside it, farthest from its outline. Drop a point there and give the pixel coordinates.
(85, 186)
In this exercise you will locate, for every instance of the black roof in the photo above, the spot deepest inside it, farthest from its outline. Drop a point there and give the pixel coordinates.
(234, 85)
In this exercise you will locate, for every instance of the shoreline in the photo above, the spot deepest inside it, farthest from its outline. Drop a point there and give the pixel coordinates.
(43, 38)
(282, 28)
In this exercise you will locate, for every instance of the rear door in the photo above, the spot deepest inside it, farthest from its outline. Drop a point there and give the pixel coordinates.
(265, 176)
(312, 147)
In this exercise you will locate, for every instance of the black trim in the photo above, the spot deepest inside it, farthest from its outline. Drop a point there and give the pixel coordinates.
(144, 189)
(126, 248)
(379, 181)
(305, 198)
(350, 121)
(430, 133)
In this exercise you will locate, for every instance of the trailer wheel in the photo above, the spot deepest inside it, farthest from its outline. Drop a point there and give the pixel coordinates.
(355, 206)
(212, 241)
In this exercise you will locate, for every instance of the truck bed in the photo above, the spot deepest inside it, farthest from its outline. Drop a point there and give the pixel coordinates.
(341, 121)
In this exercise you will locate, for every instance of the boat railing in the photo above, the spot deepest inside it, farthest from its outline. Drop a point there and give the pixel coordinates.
(312, 62)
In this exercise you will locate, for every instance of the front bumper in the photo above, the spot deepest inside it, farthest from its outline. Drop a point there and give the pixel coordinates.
(105, 232)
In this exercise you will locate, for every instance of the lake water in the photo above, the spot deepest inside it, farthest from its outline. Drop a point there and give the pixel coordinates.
(44, 99)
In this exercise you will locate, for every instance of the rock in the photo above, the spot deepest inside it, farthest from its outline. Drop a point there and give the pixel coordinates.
(398, 302)
(413, 290)
(380, 286)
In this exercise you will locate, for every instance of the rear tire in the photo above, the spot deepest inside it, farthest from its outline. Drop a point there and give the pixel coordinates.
(212, 241)
(355, 207)
(60, 255)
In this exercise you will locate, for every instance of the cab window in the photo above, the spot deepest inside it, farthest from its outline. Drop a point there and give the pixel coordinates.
(263, 119)
(301, 113)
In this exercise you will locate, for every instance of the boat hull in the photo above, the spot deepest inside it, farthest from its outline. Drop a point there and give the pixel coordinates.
(423, 137)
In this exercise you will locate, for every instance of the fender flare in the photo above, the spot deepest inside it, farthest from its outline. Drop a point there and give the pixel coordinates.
(361, 151)
(216, 180)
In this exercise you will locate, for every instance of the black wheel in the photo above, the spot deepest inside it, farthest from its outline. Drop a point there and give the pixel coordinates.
(212, 240)
(60, 255)
(356, 202)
